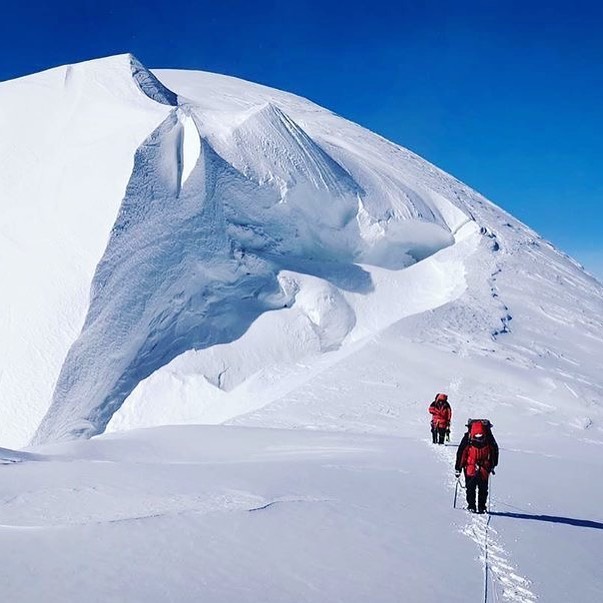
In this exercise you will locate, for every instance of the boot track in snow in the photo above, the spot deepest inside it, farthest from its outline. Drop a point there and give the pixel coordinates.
(502, 579)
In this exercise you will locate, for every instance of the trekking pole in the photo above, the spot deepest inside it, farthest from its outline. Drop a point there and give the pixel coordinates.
(456, 490)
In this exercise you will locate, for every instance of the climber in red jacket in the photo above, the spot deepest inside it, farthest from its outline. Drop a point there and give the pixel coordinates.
(441, 415)
(477, 456)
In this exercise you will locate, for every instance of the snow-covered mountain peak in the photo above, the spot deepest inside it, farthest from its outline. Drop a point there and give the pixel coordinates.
(189, 248)
(201, 226)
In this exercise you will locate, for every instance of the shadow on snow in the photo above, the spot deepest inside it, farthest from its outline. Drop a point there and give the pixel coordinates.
(570, 521)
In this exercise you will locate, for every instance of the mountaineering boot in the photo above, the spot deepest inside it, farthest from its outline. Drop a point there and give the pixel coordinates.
(471, 509)
(481, 510)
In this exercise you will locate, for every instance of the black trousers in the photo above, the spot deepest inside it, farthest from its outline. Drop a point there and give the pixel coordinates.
(481, 485)
(438, 434)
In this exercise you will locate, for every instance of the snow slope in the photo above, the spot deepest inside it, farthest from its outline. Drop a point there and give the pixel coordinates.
(66, 151)
(226, 514)
(224, 215)
(500, 291)
(185, 247)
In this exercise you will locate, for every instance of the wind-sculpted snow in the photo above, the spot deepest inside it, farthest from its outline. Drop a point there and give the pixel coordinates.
(192, 261)
(150, 85)
(68, 140)
(270, 146)
(170, 280)
(194, 256)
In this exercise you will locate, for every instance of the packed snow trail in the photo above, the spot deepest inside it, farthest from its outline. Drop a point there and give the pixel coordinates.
(501, 575)
(385, 386)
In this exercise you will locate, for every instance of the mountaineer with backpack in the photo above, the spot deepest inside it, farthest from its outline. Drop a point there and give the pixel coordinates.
(477, 456)
(441, 415)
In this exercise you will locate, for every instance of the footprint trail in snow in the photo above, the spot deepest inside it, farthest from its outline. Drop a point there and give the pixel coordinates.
(504, 580)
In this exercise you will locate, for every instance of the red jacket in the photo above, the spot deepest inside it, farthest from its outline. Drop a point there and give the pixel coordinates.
(477, 460)
(441, 414)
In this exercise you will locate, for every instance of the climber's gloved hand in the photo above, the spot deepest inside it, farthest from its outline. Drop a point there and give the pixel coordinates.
(457, 473)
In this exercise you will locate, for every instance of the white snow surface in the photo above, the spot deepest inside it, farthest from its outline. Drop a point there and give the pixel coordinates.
(189, 248)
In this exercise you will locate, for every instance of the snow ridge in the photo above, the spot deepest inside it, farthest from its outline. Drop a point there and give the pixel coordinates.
(150, 85)
(188, 286)
(200, 240)
(287, 154)
(319, 215)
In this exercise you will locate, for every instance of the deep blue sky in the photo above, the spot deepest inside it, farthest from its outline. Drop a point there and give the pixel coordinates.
(505, 95)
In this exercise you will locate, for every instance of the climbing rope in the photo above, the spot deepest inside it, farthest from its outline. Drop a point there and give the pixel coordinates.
(486, 566)
(486, 560)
